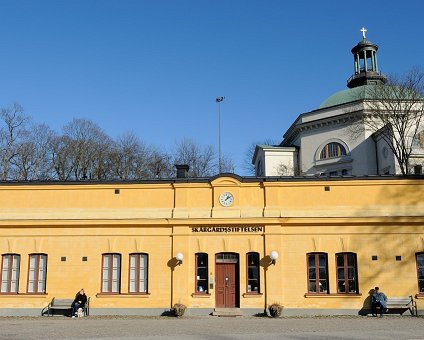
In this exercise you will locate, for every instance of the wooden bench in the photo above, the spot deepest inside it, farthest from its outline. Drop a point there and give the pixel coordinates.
(401, 305)
(64, 305)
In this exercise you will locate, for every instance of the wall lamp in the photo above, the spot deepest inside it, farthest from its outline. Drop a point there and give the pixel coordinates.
(274, 257)
(179, 257)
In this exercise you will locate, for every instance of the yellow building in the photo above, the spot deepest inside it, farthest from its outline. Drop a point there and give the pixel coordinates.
(316, 246)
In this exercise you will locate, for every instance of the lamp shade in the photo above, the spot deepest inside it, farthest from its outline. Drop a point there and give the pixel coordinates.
(179, 256)
(273, 255)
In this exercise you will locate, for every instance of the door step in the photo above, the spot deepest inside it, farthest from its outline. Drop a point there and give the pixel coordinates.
(227, 312)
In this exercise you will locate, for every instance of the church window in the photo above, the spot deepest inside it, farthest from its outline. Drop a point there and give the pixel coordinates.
(317, 273)
(418, 140)
(332, 150)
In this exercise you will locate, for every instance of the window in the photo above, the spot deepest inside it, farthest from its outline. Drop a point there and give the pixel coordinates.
(253, 273)
(259, 171)
(420, 272)
(10, 273)
(317, 273)
(347, 277)
(332, 150)
(202, 273)
(418, 169)
(418, 141)
(111, 273)
(138, 273)
(37, 273)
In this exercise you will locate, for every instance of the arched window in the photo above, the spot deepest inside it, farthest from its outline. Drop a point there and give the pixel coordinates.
(253, 285)
(420, 272)
(10, 273)
(37, 273)
(202, 273)
(317, 273)
(332, 150)
(111, 273)
(347, 274)
(138, 273)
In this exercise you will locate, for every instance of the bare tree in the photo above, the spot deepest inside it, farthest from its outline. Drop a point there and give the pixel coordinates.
(62, 157)
(395, 111)
(201, 161)
(160, 164)
(247, 162)
(30, 161)
(86, 142)
(130, 157)
(12, 120)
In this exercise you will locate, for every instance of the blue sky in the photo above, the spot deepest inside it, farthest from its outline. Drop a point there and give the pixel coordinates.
(156, 67)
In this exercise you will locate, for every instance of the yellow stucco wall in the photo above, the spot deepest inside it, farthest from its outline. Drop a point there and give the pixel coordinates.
(382, 217)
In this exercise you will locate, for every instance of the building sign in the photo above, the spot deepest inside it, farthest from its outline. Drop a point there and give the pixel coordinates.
(227, 229)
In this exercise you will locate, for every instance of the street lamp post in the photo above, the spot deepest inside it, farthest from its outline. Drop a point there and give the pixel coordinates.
(219, 100)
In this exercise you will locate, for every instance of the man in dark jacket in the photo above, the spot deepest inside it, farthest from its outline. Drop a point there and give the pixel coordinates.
(79, 302)
(379, 299)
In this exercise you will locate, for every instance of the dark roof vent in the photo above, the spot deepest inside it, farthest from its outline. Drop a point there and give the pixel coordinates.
(182, 170)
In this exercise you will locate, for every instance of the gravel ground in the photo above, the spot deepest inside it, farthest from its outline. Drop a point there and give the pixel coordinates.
(209, 327)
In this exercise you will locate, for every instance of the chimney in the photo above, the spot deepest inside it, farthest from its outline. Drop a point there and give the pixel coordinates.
(182, 170)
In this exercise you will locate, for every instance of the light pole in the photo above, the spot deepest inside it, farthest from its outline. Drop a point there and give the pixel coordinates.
(219, 100)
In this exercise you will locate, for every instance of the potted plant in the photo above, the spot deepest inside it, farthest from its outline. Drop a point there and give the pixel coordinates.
(178, 309)
(275, 310)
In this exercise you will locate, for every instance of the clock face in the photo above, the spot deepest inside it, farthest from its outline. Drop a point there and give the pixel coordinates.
(226, 199)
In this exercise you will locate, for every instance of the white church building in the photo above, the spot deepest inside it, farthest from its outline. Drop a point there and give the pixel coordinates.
(321, 142)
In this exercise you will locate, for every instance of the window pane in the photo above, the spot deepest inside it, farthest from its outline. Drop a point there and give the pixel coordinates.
(351, 273)
(342, 286)
(312, 273)
(311, 261)
(421, 273)
(421, 286)
(352, 286)
(312, 286)
(351, 260)
(340, 260)
(420, 260)
(322, 261)
(323, 286)
(323, 273)
(341, 274)
(253, 273)
(202, 273)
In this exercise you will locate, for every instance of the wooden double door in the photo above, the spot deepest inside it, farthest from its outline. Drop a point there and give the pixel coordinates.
(227, 280)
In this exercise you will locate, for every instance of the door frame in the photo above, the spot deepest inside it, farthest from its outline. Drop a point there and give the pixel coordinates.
(229, 258)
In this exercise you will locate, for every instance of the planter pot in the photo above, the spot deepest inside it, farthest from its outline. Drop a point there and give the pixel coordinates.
(275, 310)
(178, 309)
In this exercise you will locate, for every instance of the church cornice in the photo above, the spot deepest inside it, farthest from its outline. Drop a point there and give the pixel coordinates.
(340, 119)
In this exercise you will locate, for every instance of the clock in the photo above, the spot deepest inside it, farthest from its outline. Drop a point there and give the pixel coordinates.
(226, 199)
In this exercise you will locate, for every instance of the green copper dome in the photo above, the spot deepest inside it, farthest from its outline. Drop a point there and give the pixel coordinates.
(346, 96)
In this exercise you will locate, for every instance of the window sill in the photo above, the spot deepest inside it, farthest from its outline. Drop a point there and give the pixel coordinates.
(200, 295)
(30, 295)
(252, 295)
(122, 295)
(311, 295)
(419, 296)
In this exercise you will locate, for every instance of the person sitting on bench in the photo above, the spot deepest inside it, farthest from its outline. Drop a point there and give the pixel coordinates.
(79, 302)
(379, 299)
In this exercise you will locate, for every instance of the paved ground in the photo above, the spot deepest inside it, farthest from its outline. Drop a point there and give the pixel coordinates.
(209, 327)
